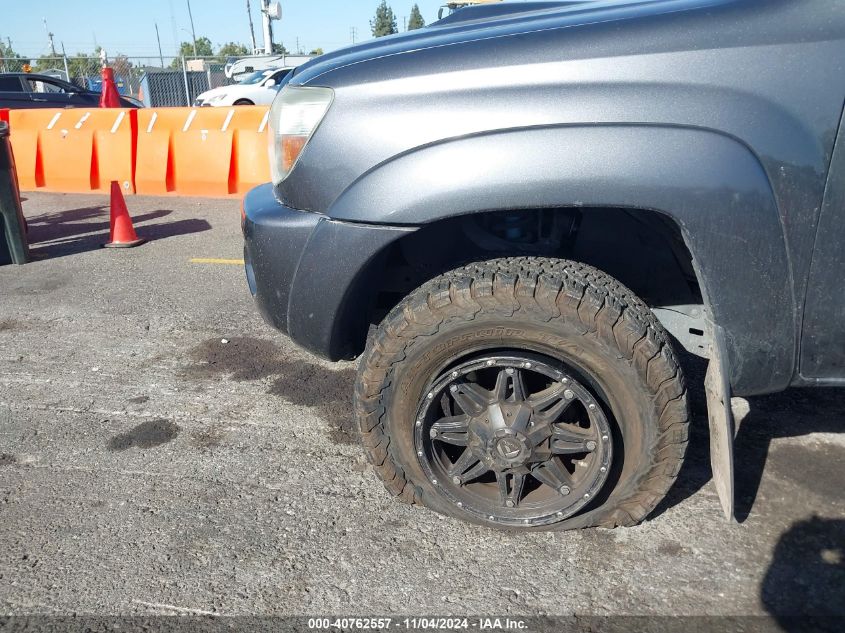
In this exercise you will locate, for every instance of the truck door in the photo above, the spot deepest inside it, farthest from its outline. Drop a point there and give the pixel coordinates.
(823, 339)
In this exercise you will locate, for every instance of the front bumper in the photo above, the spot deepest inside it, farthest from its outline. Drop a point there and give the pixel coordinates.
(309, 274)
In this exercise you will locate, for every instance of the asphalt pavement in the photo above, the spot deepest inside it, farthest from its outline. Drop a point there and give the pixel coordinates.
(163, 451)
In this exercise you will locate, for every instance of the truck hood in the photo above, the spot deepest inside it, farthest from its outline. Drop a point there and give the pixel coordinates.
(499, 20)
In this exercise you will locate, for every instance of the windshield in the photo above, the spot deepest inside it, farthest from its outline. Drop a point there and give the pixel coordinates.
(254, 78)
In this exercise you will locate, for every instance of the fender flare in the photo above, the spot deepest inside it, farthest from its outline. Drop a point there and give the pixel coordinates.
(710, 184)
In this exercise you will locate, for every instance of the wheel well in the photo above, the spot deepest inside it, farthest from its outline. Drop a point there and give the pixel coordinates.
(641, 248)
(243, 102)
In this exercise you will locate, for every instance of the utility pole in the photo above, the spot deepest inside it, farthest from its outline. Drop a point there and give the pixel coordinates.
(353, 32)
(193, 32)
(251, 28)
(404, 22)
(298, 50)
(50, 37)
(268, 27)
(158, 39)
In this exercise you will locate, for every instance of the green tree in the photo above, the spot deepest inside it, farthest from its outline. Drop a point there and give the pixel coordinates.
(186, 50)
(385, 21)
(279, 49)
(416, 20)
(231, 49)
(316, 51)
(204, 49)
(45, 62)
(11, 62)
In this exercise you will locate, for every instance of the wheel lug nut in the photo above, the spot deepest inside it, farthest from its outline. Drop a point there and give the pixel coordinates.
(603, 469)
(430, 395)
(456, 480)
(433, 433)
(592, 407)
(564, 490)
(434, 481)
(604, 437)
(509, 503)
(569, 394)
(453, 387)
(591, 445)
(565, 381)
(527, 365)
(491, 362)
(587, 495)
(419, 422)
(420, 453)
(454, 374)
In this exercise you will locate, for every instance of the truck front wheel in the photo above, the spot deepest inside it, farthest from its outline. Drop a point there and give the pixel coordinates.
(524, 393)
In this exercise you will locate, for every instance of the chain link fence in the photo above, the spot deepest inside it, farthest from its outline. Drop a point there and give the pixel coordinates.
(155, 81)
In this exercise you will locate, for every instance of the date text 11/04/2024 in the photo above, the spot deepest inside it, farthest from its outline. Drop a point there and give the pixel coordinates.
(418, 624)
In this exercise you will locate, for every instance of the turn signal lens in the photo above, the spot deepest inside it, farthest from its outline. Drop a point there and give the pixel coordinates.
(294, 117)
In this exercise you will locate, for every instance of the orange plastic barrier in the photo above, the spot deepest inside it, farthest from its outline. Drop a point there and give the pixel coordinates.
(115, 134)
(202, 152)
(74, 150)
(25, 126)
(251, 164)
(185, 151)
(65, 152)
(154, 154)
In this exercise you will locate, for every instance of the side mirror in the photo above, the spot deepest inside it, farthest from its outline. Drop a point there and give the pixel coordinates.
(440, 14)
(270, 83)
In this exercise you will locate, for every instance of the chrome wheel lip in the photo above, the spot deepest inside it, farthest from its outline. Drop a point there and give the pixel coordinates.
(555, 370)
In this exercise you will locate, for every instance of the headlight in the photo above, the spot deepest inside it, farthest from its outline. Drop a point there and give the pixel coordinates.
(216, 98)
(294, 117)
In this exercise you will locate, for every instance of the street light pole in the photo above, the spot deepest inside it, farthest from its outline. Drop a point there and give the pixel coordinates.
(193, 33)
(158, 39)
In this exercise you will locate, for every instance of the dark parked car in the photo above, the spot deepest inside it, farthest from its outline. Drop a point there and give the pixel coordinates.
(30, 90)
(519, 216)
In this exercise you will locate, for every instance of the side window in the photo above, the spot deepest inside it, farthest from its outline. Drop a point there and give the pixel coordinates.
(10, 84)
(43, 86)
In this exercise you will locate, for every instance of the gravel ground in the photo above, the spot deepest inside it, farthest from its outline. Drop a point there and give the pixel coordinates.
(148, 468)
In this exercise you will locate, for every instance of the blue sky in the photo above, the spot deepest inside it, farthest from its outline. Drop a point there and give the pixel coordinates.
(127, 26)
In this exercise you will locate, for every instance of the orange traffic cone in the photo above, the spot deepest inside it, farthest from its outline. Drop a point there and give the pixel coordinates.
(122, 233)
(109, 97)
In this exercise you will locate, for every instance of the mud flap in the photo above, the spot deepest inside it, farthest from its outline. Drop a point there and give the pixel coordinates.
(718, 389)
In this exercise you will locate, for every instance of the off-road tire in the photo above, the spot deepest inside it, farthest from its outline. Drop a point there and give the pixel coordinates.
(592, 314)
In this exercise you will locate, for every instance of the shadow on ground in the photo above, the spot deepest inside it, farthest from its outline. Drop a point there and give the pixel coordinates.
(793, 413)
(804, 586)
(76, 231)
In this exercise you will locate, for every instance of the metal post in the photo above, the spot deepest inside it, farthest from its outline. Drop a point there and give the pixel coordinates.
(193, 33)
(185, 76)
(158, 39)
(251, 28)
(64, 58)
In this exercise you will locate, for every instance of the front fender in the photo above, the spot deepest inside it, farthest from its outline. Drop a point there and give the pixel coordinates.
(710, 184)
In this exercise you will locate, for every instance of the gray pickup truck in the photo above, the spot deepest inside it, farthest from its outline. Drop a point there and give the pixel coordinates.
(520, 215)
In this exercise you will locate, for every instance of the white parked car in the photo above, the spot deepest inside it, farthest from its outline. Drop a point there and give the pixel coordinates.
(259, 88)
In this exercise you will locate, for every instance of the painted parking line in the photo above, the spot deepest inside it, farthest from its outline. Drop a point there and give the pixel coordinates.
(213, 260)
